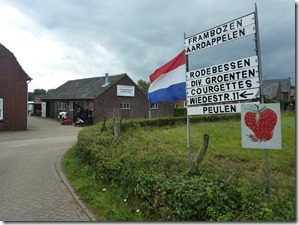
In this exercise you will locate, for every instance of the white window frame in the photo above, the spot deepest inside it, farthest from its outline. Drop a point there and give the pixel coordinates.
(61, 105)
(71, 106)
(125, 105)
(1, 108)
(155, 106)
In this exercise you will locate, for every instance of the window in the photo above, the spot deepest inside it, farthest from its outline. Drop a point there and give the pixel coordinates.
(71, 106)
(61, 105)
(125, 105)
(1, 108)
(155, 106)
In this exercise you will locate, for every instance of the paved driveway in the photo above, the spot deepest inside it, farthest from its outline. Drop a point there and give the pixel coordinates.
(30, 188)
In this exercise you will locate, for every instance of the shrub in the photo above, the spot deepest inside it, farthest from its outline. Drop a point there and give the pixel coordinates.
(157, 178)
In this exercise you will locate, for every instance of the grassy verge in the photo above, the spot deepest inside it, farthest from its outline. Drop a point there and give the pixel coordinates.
(225, 157)
(106, 202)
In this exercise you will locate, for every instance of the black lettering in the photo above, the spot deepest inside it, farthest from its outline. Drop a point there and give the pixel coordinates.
(214, 69)
(193, 101)
(220, 69)
(234, 85)
(204, 109)
(238, 75)
(218, 39)
(224, 27)
(239, 64)
(206, 35)
(251, 73)
(233, 108)
(199, 37)
(208, 81)
(222, 87)
(246, 62)
(224, 37)
(232, 26)
(208, 71)
(218, 30)
(233, 65)
(191, 76)
(248, 83)
(226, 96)
(226, 67)
(241, 84)
(213, 40)
(188, 50)
(208, 44)
(226, 77)
(235, 35)
(244, 74)
(212, 33)
(215, 99)
(239, 23)
(242, 32)
(219, 79)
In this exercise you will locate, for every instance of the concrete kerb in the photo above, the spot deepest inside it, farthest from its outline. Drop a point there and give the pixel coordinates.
(69, 187)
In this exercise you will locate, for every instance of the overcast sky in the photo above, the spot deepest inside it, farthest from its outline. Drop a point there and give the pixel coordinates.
(60, 40)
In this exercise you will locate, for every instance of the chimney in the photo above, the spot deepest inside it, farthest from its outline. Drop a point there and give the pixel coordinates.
(106, 83)
(106, 78)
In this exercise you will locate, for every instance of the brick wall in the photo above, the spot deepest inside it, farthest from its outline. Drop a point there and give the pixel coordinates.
(107, 105)
(13, 91)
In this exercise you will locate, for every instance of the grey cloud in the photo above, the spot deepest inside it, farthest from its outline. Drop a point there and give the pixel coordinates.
(144, 35)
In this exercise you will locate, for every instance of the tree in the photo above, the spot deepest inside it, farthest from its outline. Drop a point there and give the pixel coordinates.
(38, 92)
(143, 85)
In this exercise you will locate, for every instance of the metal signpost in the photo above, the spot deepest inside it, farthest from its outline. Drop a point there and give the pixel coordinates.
(221, 88)
(208, 88)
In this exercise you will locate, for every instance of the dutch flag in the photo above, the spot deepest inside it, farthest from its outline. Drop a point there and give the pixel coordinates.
(168, 83)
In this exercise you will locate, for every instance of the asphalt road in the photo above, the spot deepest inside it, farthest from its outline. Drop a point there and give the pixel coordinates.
(30, 187)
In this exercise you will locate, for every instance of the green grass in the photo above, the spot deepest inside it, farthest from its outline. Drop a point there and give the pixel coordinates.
(225, 156)
(107, 203)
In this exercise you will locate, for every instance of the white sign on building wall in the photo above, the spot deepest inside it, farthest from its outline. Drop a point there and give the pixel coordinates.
(1, 108)
(125, 90)
(44, 109)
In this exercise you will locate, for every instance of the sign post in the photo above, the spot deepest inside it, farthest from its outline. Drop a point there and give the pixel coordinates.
(258, 52)
(188, 119)
(221, 88)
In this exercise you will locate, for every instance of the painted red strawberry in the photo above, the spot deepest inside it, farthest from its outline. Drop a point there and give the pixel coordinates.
(261, 122)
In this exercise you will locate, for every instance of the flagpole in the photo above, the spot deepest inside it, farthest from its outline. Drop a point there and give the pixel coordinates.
(188, 117)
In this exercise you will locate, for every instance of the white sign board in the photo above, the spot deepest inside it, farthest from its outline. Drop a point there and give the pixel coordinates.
(224, 68)
(223, 87)
(215, 109)
(1, 108)
(261, 126)
(44, 109)
(237, 80)
(226, 32)
(125, 90)
(224, 97)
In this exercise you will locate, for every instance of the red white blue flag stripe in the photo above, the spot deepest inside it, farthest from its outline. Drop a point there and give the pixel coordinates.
(168, 83)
